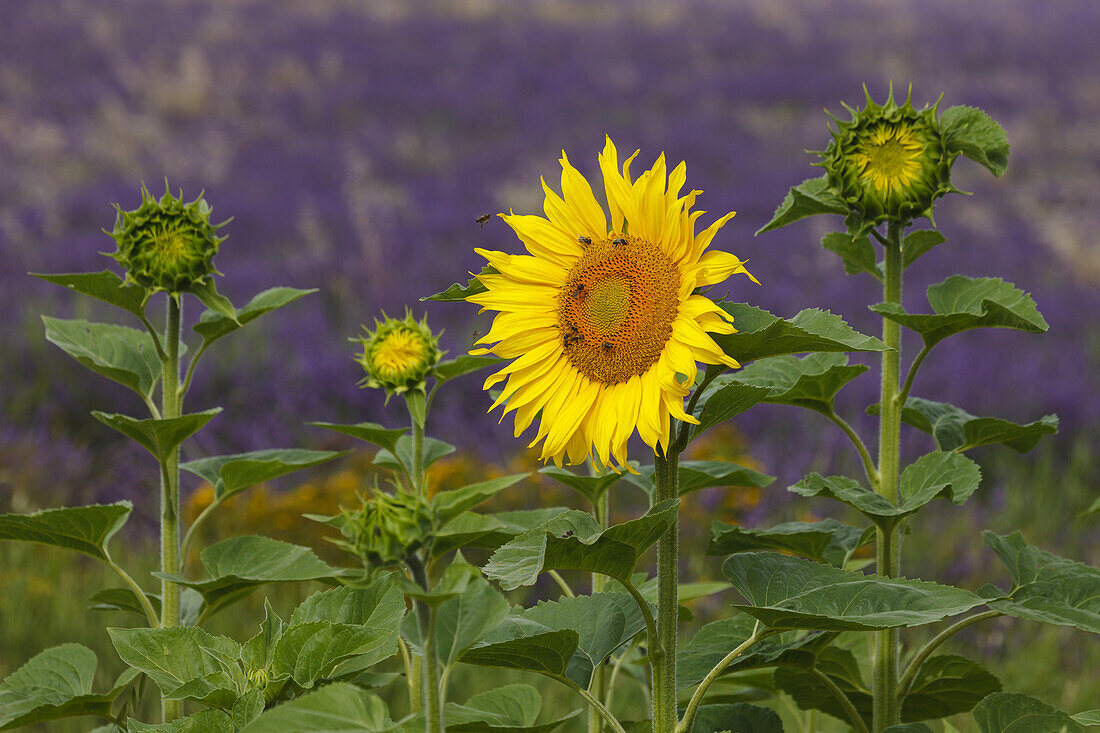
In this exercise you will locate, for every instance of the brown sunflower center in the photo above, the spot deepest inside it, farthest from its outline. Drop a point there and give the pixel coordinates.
(616, 308)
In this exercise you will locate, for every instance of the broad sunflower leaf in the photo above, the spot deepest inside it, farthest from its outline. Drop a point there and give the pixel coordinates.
(590, 487)
(56, 683)
(935, 474)
(944, 685)
(909, 728)
(955, 429)
(791, 593)
(519, 643)
(811, 382)
(212, 325)
(174, 656)
(239, 565)
(158, 436)
(446, 505)
(465, 364)
(828, 541)
(698, 475)
(379, 605)
(1046, 587)
(723, 401)
(490, 531)
(574, 540)
(1089, 717)
(809, 693)
(960, 303)
(603, 622)
(919, 242)
(508, 709)
(459, 292)
(106, 286)
(256, 652)
(761, 334)
(1011, 712)
(122, 354)
(812, 196)
(86, 529)
(367, 431)
(857, 253)
(336, 707)
(400, 459)
(717, 639)
(204, 721)
(232, 474)
(972, 132)
(468, 618)
(207, 293)
(312, 651)
(738, 716)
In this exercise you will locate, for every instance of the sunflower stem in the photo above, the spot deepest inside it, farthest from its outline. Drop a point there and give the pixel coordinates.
(598, 686)
(887, 710)
(431, 702)
(663, 658)
(171, 406)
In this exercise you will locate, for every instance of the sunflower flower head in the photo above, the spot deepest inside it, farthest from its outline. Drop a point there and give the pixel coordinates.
(399, 354)
(603, 317)
(166, 244)
(889, 162)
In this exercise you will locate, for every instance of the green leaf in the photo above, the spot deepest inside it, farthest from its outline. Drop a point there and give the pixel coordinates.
(515, 704)
(123, 599)
(715, 640)
(336, 707)
(452, 368)
(235, 473)
(811, 382)
(312, 651)
(590, 487)
(908, 728)
(944, 685)
(970, 131)
(368, 431)
(106, 286)
(56, 683)
(810, 693)
(698, 475)
(241, 564)
(1011, 712)
(919, 242)
(470, 528)
(575, 541)
(125, 355)
(400, 459)
(828, 541)
(207, 292)
(1046, 587)
(955, 429)
(960, 303)
(526, 645)
(378, 605)
(446, 505)
(204, 721)
(792, 593)
(256, 652)
(213, 324)
(935, 474)
(722, 400)
(857, 253)
(812, 196)
(174, 656)
(761, 334)
(86, 529)
(158, 436)
(603, 622)
(1089, 717)
(468, 618)
(740, 716)
(458, 292)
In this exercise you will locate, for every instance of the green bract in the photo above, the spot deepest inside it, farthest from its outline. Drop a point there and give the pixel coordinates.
(387, 528)
(166, 245)
(399, 354)
(888, 162)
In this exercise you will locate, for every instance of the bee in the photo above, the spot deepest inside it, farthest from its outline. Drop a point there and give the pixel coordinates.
(577, 290)
(585, 240)
(618, 242)
(567, 534)
(606, 346)
(572, 337)
(481, 220)
(475, 336)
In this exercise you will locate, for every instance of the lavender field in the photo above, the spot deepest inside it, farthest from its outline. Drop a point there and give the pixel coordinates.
(356, 142)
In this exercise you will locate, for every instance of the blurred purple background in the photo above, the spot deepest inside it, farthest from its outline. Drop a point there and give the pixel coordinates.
(355, 143)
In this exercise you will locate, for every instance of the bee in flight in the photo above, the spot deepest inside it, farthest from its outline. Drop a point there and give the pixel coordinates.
(481, 220)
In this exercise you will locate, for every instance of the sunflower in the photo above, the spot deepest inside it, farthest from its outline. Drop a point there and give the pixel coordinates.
(603, 319)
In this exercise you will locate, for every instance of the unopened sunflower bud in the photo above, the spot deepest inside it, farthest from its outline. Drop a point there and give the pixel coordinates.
(387, 528)
(888, 162)
(399, 354)
(166, 245)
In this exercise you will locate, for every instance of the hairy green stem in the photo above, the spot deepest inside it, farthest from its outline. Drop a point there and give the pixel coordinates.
(887, 708)
(701, 690)
(598, 685)
(150, 614)
(417, 477)
(171, 406)
(923, 654)
(663, 658)
(861, 448)
(565, 589)
(429, 679)
(604, 712)
(840, 697)
(903, 395)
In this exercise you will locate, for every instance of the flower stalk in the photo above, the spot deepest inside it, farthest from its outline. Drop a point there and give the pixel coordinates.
(171, 406)
(663, 658)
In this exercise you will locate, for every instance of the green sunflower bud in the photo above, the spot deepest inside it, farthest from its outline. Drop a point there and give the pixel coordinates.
(888, 162)
(398, 355)
(387, 528)
(166, 245)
